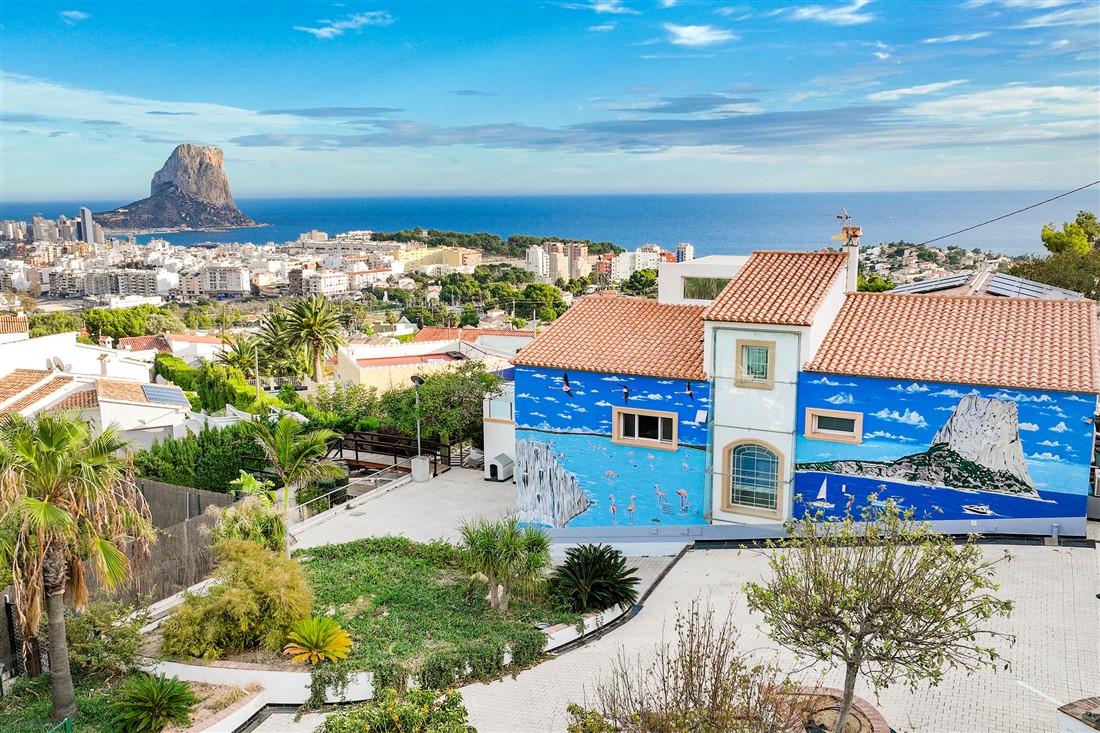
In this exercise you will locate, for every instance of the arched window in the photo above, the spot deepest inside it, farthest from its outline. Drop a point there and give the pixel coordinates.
(754, 476)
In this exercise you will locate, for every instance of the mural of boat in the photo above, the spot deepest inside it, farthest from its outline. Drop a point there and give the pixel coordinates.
(821, 502)
(979, 509)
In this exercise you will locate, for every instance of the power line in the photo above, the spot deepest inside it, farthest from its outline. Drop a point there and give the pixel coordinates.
(1017, 211)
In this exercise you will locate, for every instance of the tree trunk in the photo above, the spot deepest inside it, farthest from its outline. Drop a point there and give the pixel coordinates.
(318, 352)
(494, 599)
(850, 672)
(504, 594)
(61, 681)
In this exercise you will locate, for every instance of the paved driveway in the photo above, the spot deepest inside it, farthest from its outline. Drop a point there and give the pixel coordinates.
(1054, 661)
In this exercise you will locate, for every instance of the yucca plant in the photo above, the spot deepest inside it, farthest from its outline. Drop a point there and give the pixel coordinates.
(317, 639)
(150, 703)
(595, 577)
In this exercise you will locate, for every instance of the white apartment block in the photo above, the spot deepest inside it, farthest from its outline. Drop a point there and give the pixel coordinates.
(537, 261)
(324, 282)
(226, 280)
(135, 282)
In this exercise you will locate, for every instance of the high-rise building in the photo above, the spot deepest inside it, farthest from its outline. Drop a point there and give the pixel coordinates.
(537, 261)
(87, 226)
(579, 266)
(685, 252)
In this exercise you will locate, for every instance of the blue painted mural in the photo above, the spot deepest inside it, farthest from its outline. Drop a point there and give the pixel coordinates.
(949, 451)
(568, 471)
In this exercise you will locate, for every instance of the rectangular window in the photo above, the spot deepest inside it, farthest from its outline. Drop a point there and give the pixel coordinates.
(840, 426)
(704, 288)
(648, 428)
(755, 364)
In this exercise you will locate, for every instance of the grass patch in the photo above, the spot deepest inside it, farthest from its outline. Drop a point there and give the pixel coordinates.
(406, 603)
(26, 708)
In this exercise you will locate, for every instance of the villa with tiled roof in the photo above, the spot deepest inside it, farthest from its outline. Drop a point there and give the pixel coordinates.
(790, 392)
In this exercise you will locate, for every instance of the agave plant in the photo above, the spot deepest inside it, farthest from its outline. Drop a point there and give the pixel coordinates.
(316, 639)
(595, 577)
(150, 703)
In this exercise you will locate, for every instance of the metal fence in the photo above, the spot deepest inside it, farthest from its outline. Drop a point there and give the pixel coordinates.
(356, 484)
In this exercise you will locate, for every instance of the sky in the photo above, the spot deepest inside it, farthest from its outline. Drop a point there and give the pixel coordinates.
(593, 96)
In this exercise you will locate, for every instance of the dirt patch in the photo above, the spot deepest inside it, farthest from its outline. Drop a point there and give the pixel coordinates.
(212, 700)
(825, 717)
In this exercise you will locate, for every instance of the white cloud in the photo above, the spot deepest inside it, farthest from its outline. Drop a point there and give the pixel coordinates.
(698, 35)
(524, 394)
(1059, 428)
(1075, 398)
(843, 15)
(603, 403)
(667, 3)
(953, 393)
(602, 28)
(911, 389)
(888, 436)
(72, 17)
(537, 414)
(1051, 443)
(1084, 15)
(909, 417)
(893, 95)
(957, 38)
(565, 415)
(1017, 101)
(1029, 427)
(579, 409)
(615, 7)
(1047, 456)
(830, 383)
(333, 28)
(842, 398)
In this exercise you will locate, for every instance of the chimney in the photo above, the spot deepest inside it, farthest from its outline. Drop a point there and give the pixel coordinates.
(851, 235)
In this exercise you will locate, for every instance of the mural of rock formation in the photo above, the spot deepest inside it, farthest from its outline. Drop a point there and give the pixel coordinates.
(986, 431)
(546, 493)
(978, 449)
(190, 191)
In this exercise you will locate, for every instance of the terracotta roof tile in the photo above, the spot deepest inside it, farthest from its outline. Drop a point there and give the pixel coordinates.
(622, 336)
(436, 333)
(78, 401)
(783, 288)
(12, 324)
(1022, 343)
(20, 380)
(145, 343)
(38, 393)
(196, 339)
(112, 389)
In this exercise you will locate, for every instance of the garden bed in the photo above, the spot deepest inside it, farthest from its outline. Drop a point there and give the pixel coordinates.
(410, 606)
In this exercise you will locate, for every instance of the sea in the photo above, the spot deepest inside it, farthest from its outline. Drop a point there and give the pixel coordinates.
(729, 224)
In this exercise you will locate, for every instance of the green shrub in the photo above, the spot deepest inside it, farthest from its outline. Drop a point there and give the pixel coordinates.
(175, 370)
(587, 721)
(26, 706)
(208, 460)
(104, 639)
(255, 518)
(149, 704)
(417, 711)
(527, 647)
(390, 674)
(258, 597)
(441, 670)
(485, 659)
(594, 578)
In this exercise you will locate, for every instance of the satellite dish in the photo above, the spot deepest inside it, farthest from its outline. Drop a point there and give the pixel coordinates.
(60, 365)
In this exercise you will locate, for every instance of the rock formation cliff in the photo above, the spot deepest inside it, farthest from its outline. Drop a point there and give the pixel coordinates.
(190, 191)
(987, 432)
(977, 449)
(546, 493)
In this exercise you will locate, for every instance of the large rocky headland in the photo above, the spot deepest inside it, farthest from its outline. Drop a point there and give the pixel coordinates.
(190, 191)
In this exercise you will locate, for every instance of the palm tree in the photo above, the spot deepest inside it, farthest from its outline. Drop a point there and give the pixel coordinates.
(297, 457)
(242, 354)
(511, 557)
(280, 356)
(65, 498)
(315, 325)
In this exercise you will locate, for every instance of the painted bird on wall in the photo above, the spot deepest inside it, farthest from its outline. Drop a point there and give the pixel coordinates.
(626, 393)
(688, 392)
(565, 384)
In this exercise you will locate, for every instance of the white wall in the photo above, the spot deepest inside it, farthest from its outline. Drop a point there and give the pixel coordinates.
(670, 276)
(740, 413)
(78, 358)
(142, 423)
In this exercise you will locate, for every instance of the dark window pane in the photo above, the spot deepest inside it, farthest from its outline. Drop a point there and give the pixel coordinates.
(666, 429)
(628, 425)
(836, 424)
(648, 425)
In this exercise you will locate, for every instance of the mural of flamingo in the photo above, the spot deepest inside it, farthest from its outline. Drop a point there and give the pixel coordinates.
(684, 504)
(611, 476)
(630, 509)
(614, 509)
(661, 498)
(688, 392)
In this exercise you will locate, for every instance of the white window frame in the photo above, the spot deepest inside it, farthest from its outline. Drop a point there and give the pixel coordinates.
(617, 435)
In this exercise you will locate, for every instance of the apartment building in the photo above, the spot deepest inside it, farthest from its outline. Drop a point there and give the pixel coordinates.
(226, 280)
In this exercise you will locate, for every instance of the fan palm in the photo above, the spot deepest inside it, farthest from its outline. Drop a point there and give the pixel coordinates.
(242, 354)
(315, 325)
(295, 455)
(279, 354)
(65, 498)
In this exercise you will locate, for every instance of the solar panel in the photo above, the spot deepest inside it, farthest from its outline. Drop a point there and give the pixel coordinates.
(1018, 287)
(931, 286)
(165, 395)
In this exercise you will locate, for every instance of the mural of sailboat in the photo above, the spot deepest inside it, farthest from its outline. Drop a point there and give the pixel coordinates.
(822, 502)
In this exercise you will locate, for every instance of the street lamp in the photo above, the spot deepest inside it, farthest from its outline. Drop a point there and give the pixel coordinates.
(417, 380)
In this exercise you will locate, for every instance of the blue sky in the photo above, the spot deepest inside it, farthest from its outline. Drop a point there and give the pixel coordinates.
(551, 97)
